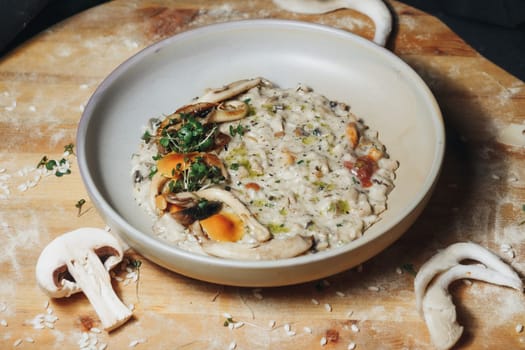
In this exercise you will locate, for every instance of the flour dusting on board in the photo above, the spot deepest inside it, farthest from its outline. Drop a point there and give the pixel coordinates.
(18, 238)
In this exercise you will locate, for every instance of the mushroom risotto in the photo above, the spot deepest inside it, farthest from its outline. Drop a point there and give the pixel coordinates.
(252, 171)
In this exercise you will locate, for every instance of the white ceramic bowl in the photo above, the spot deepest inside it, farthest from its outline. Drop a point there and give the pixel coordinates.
(379, 86)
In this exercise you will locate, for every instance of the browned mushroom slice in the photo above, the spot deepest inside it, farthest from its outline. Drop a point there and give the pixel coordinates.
(270, 250)
(229, 111)
(258, 231)
(229, 91)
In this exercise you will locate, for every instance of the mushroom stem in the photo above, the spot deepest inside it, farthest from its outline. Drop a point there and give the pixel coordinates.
(91, 276)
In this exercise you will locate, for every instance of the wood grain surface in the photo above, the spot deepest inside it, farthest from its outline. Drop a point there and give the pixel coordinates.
(480, 197)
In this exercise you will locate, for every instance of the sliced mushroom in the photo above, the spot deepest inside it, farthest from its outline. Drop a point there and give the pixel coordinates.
(155, 188)
(440, 312)
(229, 91)
(376, 10)
(80, 261)
(200, 211)
(228, 111)
(260, 232)
(273, 249)
(450, 257)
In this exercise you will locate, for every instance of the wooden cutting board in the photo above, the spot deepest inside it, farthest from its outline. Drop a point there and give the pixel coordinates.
(44, 85)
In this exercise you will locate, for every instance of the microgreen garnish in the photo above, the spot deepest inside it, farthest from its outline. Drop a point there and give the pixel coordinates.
(146, 137)
(79, 205)
(409, 268)
(196, 176)
(238, 130)
(135, 265)
(229, 320)
(69, 149)
(192, 136)
(60, 167)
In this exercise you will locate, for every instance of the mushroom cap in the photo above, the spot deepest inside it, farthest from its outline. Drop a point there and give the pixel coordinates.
(51, 269)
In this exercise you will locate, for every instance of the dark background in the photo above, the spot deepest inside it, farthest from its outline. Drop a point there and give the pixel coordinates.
(495, 28)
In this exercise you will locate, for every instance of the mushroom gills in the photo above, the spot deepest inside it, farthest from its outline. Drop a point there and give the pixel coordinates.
(440, 312)
(79, 261)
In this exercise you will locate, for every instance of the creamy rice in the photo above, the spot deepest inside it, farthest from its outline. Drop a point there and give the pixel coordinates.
(294, 166)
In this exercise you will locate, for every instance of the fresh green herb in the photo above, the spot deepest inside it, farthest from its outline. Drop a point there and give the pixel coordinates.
(409, 268)
(251, 109)
(70, 149)
(79, 206)
(146, 137)
(238, 130)
(234, 166)
(523, 207)
(135, 264)
(228, 321)
(152, 171)
(196, 176)
(192, 136)
(300, 161)
(277, 228)
(42, 162)
(60, 167)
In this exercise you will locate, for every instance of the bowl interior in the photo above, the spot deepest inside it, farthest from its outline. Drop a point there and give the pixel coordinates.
(378, 86)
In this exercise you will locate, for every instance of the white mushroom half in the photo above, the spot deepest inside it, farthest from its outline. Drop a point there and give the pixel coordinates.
(376, 10)
(80, 260)
(440, 312)
(450, 257)
(229, 91)
(276, 248)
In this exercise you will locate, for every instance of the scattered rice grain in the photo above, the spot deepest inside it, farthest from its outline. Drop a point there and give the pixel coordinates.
(29, 340)
(18, 342)
(307, 330)
(328, 307)
(399, 271)
(232, 346)
(373, 288)
(3, 323)
(354, 328)
(323, 341)
(95, 330)
(519, 328)
(340, 294)
(315, 301)
(271, 323)
(351, 346)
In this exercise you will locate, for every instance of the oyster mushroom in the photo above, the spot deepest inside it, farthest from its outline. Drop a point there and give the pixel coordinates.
(440, 312)
(79, 261)
(275, 248)
(452, 256)
(229, 111)
(229, 91)
(376, 10)
(260, 232)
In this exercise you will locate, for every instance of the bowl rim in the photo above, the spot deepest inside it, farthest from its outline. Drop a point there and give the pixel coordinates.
(157, 244)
